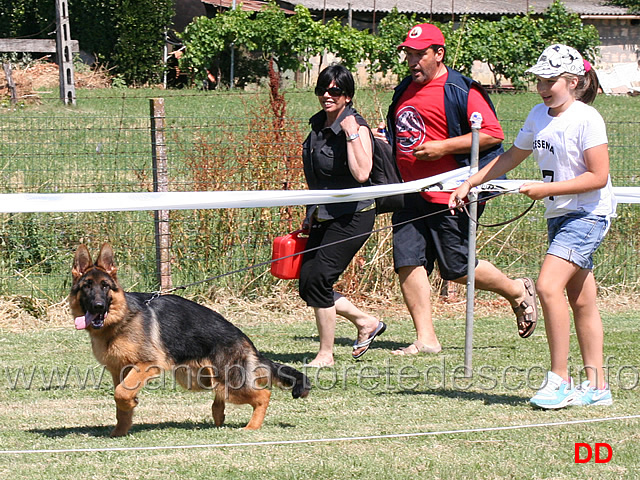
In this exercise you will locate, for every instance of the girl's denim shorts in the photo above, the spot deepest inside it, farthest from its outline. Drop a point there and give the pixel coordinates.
(576, 236)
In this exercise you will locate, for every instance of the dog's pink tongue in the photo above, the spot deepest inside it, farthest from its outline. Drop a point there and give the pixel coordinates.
(81, 322)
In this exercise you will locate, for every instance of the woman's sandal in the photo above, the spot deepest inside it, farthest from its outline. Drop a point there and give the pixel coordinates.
(420, 347)
(527, 311)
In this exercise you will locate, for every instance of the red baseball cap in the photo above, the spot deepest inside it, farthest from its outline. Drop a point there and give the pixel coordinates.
(423, 36)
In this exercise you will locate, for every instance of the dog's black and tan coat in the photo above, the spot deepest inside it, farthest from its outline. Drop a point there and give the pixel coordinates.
(139, 335)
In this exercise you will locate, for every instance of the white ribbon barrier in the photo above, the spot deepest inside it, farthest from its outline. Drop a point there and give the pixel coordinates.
(622, 194)
(111, 202)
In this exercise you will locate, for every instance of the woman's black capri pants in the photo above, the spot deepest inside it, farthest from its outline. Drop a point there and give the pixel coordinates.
(321, 268)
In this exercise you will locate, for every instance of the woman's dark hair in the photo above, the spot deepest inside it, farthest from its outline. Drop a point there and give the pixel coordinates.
(341, 76)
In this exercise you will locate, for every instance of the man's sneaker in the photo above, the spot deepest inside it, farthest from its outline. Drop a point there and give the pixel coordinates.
(588, 395)
(554, 392)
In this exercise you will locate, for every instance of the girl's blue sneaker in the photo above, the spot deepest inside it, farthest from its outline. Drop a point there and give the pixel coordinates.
(588, 395)
(554, 393)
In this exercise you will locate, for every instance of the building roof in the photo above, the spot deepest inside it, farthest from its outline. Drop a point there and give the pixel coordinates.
(460, 7)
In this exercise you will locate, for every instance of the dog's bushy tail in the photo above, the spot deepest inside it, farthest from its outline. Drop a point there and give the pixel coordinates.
(288, 377)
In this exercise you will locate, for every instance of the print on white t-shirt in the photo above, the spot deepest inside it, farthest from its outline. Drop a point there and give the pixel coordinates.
(558, 145)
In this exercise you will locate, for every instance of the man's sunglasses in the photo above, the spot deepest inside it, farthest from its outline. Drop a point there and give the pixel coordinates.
(333, 91)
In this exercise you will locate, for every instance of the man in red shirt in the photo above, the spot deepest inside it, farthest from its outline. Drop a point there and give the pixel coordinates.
(430, 133)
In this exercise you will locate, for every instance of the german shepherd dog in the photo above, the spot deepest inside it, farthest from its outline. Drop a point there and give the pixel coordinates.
(137, 336)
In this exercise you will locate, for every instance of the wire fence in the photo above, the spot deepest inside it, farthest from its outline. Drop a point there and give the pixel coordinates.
(228, 142)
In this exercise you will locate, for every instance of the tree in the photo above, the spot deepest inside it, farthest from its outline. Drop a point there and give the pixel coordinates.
(26, 18)
(208, 42)
(93, 24)
(126, 35)
(139, 28)
(508, 46)
(382, 51)
(287, 41)
(559, 25)
(347, 43)
(305, 36)
(271, 30)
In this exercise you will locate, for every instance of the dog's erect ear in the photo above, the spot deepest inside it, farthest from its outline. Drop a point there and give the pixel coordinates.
(81, 262)
(105, 260)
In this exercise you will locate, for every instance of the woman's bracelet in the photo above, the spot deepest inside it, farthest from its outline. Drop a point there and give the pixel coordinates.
(467, 181)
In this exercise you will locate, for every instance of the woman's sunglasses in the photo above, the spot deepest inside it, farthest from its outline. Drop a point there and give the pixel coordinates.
(333, 91)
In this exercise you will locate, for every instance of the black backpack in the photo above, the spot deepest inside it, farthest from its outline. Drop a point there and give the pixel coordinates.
(384, 172)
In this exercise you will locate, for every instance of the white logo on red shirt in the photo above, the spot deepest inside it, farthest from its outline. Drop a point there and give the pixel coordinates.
(410, 129)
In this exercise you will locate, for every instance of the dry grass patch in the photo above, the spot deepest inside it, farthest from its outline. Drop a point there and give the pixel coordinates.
(19, 313)
(44, 76)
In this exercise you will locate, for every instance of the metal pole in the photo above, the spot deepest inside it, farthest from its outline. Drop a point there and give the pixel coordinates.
(233, 58)
(476, 122)
(232, 67)
(165, 58)
(373, 26)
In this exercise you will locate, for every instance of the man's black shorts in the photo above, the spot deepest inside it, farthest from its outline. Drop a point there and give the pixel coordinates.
(435, 235)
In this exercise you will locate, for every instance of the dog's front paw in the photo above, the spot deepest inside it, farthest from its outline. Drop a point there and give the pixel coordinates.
(119, 432)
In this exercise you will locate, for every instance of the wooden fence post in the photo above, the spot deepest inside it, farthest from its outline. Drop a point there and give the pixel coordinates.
(10, 83)
(160, 184)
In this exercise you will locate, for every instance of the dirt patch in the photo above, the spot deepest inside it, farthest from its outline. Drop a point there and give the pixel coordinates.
(31, 80)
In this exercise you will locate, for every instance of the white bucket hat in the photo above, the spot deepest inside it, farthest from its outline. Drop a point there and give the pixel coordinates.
(558, 59)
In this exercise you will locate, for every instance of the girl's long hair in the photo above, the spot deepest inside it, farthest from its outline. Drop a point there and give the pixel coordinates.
(588, 86)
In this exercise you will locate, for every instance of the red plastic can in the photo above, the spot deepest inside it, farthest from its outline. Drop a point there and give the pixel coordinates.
(288, 268)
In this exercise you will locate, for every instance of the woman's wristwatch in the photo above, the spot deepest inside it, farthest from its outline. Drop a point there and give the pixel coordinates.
(352, 137)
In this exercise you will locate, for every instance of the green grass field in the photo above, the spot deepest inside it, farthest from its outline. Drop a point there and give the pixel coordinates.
(382, 417)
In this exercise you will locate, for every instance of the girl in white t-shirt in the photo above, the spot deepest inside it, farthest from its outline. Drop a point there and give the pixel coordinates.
(569, 141)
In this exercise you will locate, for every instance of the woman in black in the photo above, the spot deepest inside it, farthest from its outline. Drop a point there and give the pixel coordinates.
(337, 154)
